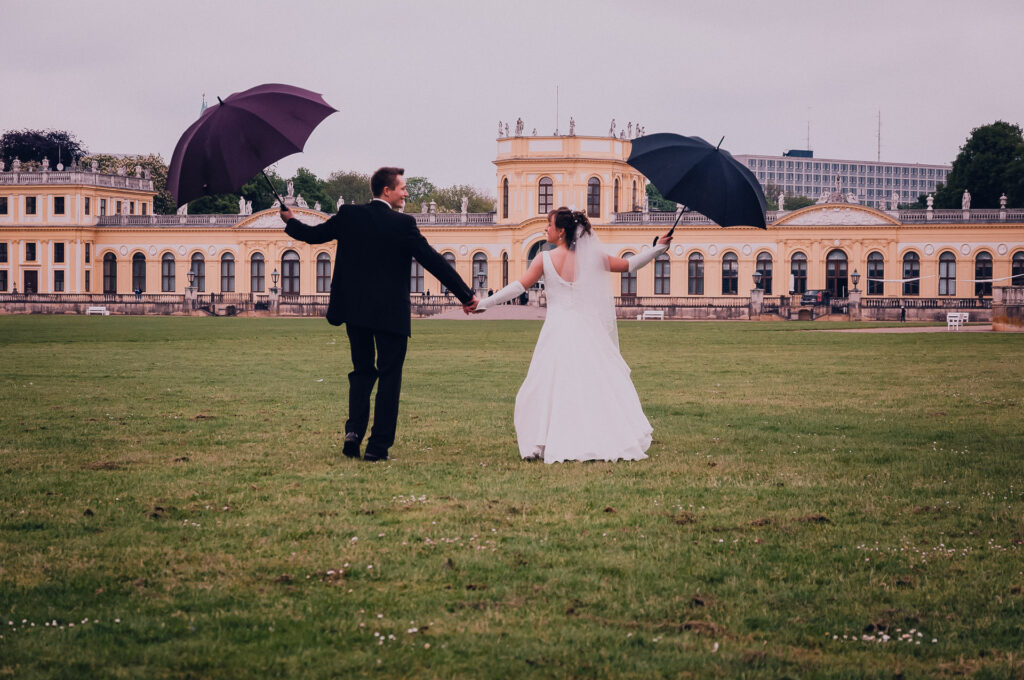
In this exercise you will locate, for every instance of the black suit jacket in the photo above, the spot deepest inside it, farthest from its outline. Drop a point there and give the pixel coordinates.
(376, 244)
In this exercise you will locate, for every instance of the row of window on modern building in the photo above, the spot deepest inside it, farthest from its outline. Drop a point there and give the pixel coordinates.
(837, 268)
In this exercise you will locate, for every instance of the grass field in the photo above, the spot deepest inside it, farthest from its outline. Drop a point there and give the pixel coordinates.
(174, 505)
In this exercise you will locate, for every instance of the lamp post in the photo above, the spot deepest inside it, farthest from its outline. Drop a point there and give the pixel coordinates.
(191, 279)
(190, 292)
(855, 277)
(273, 277)
(757, 278)
(275, 293)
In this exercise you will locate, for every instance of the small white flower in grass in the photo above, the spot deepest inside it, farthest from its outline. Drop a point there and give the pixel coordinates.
(426, 645)
(715, 648)
(412, 630)
(380, 616)
(355, 538)
(934, 640)
(369, 566)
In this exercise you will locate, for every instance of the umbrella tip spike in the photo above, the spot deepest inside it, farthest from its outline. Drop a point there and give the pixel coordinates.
(716, 148)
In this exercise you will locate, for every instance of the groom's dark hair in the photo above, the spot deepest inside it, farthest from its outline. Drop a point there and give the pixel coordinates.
(386, 177)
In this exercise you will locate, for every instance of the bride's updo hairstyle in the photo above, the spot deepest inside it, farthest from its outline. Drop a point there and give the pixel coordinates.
(567, 220)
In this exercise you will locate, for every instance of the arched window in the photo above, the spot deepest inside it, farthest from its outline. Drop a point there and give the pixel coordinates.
(876, 272)
(257, 273)
(109, 273)
(632, 197)
(615, 197)
(416, 277)
(227, 273)
(290, 280)
(167, 273)
(504, 198)
(628, 284)
(730, 274)
(545, 195)
(504, 269)
(695, 278)
(662, 275)
(983, 271)
(139, 273)
(480, 272)
(199, 269)
(323, 273)
(763, 264)
(798, 273)
(947, 273)
(911, 270)
(593, 197)
(450, 259)
(835, 273)
(1017, 269)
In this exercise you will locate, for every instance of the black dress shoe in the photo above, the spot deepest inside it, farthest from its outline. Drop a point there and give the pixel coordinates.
(351, 446)
(374, 455)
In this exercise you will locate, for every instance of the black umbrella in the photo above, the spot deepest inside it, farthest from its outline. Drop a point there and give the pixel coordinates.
(240, 136)
(703, 177)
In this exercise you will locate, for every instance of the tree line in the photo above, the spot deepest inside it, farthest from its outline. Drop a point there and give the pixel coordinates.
(989, 164)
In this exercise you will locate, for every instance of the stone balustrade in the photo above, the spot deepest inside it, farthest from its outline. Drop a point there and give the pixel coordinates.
(88, 178)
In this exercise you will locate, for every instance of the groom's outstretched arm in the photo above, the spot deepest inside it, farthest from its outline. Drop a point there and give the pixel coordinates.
(436, 265)
(303, 232)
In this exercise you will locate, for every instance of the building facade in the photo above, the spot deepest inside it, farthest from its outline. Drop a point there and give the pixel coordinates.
(87, 233)
(872, 183)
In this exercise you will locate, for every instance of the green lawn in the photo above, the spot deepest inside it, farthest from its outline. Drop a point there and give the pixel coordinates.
(174, 505)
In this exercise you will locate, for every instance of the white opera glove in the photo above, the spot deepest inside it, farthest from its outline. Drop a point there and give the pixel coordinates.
(512, 290)
(638, 261)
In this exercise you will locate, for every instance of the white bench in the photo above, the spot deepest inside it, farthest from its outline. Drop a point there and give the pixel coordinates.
(651, 314)
(99, 309)
(956, 320)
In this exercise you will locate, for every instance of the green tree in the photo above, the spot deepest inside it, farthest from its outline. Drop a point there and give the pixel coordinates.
(257, 191)
(311, 188)
(354, 187)
(163, 204)
(656, 202)
(419, 189)
(990, 163)
(31, 146)
(449, 199)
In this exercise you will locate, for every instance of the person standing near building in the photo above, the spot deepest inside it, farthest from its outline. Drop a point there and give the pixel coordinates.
(370, 295)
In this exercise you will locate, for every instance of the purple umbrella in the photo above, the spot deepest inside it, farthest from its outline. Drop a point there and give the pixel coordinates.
(234, 140)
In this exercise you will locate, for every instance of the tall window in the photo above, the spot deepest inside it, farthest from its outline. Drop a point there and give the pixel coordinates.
(947, 273)
(139, 272)
(632, 197)
(58, 281)
(416, 277)
(3, 252)
(504, 269)
(290, 273)
(30, 251)
(199, 269)
(876, 272)
(449, 257)
(3, 205)
(982, 271)
(695, 272)
(167, 273)
(835, 273)
(480, 271)
(764, 265)
(628, 285)
(730, 274)
(227, 273)
(323, 273)
(594, 197)
(58, 252)
(109, 273)
(504, 198)
(1017, 269)
(88, 280)
(30, 205)
(257, 273)
(3, 280)
(58, 205)
(911, 270)
(103, 207)
(545, 195)
(662, 275)
(615, 197)
(87, 251)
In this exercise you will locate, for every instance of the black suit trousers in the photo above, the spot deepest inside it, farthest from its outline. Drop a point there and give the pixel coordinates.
(376, 355)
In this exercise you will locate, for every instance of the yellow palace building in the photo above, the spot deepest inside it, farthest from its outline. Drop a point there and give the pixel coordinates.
(76, 238)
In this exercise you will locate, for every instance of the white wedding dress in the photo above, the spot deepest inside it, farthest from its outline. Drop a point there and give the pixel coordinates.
(578, 402)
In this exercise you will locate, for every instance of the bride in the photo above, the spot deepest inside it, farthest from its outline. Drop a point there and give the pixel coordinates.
(578, 402)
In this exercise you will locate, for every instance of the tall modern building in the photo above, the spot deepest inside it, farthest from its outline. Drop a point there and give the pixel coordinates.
(798, 173)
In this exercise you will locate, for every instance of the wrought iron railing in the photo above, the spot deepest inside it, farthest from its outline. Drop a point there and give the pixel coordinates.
(689, 301)
(925, 303)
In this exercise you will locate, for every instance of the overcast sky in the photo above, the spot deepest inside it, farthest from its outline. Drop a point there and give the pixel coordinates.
(424, 83)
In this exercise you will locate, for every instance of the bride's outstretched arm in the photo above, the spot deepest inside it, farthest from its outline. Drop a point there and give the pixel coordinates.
(634, 262)
(514, 289)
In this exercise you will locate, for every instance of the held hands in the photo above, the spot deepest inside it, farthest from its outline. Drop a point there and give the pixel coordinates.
(470, 307)
(286, 213)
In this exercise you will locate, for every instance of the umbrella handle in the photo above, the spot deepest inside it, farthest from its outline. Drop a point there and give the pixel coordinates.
(670, 231)
(271, 185)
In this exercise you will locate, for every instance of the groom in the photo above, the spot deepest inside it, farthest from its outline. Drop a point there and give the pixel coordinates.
(370, 295)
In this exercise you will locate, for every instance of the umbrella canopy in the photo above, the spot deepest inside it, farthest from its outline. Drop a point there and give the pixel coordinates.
(234, 140)
(703, 177)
